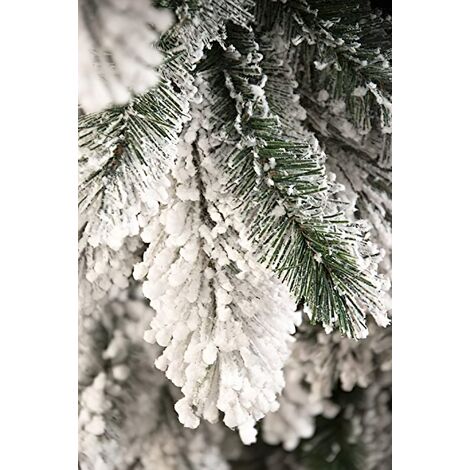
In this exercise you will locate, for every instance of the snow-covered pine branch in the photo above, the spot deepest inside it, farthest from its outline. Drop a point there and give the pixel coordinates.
(284, 196)
(223, 320)
(126, 151)
(342, 58)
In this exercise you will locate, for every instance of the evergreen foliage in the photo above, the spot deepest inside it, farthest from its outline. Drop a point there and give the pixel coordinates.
(242, 186)
(280, 182)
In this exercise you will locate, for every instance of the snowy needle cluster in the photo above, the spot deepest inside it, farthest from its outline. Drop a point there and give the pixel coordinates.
(235, 234)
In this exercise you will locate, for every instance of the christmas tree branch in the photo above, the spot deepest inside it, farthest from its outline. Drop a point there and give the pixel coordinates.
(285, 198)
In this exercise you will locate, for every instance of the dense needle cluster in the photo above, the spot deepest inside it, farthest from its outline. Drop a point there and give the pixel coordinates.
(235, 233)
